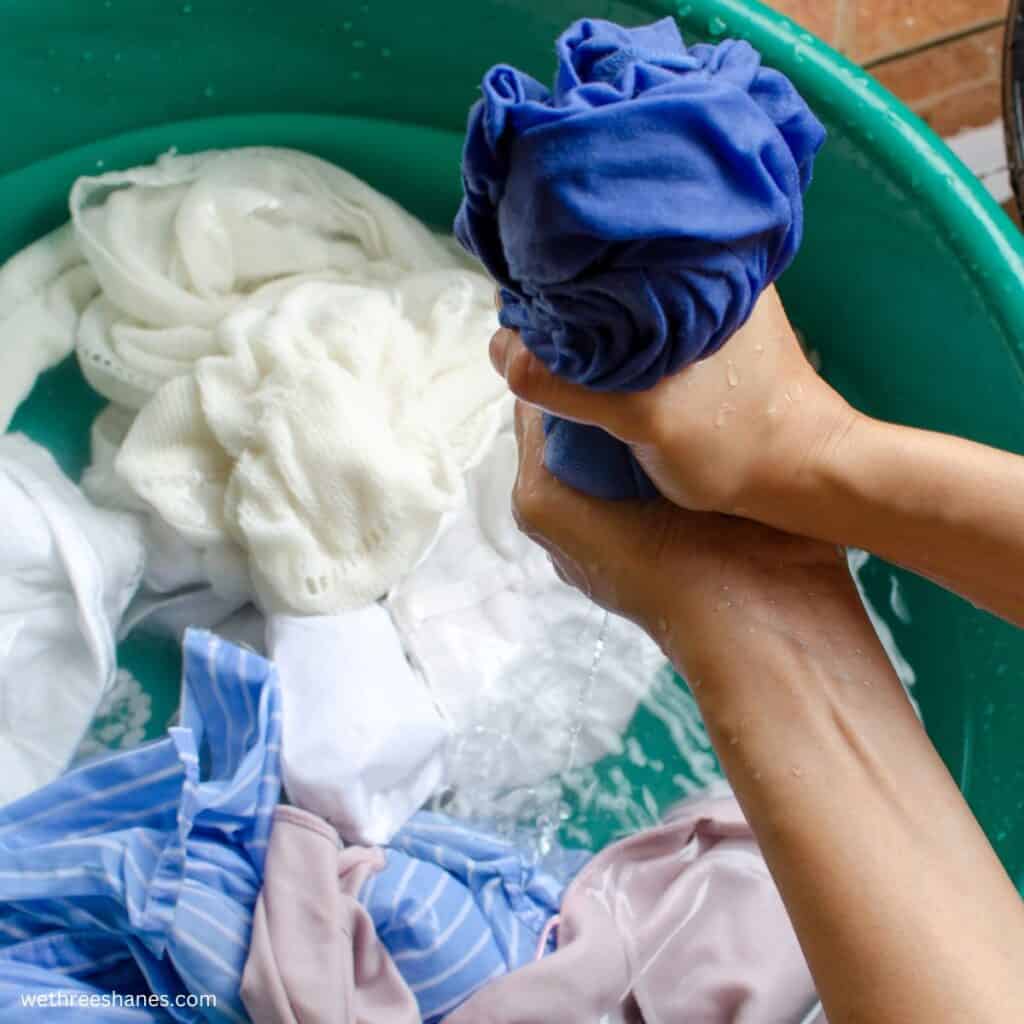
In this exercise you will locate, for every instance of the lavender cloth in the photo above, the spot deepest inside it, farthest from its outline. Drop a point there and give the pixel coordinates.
(315, 957)
(681, 924)
(633, 214)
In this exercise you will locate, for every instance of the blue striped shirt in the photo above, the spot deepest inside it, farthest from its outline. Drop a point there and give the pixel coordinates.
(457, 907)
(137, 874)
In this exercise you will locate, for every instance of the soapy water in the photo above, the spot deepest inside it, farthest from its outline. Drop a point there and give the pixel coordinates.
(664, 756)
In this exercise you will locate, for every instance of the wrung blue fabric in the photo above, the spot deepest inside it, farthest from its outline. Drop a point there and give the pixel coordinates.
(127, 886)
(633, 214)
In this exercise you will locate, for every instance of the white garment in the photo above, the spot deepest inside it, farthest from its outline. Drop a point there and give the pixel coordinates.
(67, 572)
(330, 437)
(362, 741)
(176, 247)
(182, 585)
(534, 677)
(43, 290)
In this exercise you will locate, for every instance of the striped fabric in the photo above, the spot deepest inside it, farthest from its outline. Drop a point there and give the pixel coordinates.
(137, 874)
(457, 907)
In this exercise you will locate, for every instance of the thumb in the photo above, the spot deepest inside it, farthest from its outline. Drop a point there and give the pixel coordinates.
(532, 382)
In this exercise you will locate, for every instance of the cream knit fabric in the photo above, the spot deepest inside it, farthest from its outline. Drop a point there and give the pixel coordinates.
(178, 245)
(329, 437)
(310, 362)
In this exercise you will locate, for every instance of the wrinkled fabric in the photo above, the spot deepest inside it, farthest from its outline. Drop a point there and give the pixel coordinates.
(315, 957)
(67, 573)
(43, 291)
(182, 585)
(329, 437)
(533, 676)
(176, 246)
(457, 907)
(683, 922)
(633, 214)
(363, 739)
(138, 874)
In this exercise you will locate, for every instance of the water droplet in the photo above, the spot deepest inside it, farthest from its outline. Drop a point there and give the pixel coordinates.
(88, 56)
(757, 776)
(355, 75)
(56, 90)
(101, 163)
(724, 411)
(759, 349)
(51, 52)
(797, 771)
(117, 57)
(732, 375)
(186, 9)
(868, 683)
(358, 44)
(717, 27)
(662, 625)
(346, 26)
(385, 51)
(209, 92)
(684, 10)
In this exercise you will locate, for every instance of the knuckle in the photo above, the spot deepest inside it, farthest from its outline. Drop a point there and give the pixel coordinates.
(531, 510)
(521, 374)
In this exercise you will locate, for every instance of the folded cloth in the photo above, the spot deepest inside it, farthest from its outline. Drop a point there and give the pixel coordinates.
(681, 922)
(633, 214)
(329, 437)
(138, 874)
(67, 573)
(457, 907)
(315, 957)
(534, 678)
(363, 739)
(43, 291)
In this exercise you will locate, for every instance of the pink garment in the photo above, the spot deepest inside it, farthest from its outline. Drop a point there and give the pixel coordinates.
(315, 957)
(681, 923)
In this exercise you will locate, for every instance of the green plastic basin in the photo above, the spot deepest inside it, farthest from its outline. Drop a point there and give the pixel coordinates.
(909, 285)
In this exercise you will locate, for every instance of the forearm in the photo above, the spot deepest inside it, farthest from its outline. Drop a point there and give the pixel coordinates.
(902, 908)
(941, 506)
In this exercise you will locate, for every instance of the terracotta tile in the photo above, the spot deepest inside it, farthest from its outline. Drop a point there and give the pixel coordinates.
(972, 107)
(818, 16)
(944, 69)
(878, 28)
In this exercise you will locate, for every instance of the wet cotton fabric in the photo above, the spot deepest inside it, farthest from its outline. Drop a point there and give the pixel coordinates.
(457, 907)
(315, 957)
(633, 213)
(680, 924)
(364, 742)
(67, 572)
(138, 874)
(530, 673)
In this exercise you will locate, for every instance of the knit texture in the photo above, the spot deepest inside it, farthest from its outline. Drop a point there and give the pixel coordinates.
(177, 246)
(328, 436)
(634, 213)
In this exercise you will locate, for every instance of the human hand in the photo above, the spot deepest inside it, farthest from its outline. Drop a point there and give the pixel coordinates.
(691, 579)
(728, 434)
